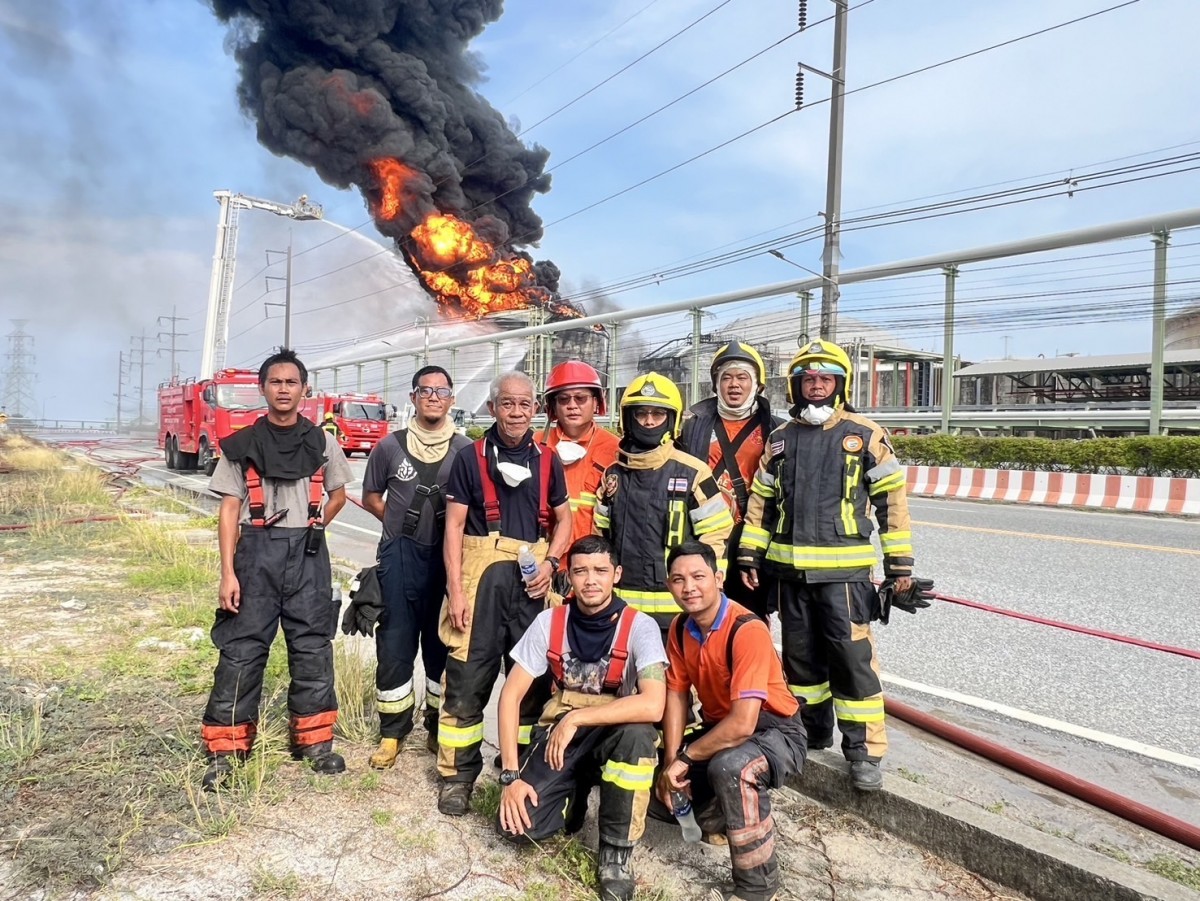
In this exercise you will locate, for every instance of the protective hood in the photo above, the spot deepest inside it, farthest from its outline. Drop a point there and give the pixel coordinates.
(742, 411)
(636, 438)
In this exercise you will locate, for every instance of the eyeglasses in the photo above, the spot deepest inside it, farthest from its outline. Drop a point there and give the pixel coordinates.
(565, 400)
(426, 391)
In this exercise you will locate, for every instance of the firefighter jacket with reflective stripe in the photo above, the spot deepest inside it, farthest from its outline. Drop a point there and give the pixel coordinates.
(649, 503)
(807, 511)
(583, 477)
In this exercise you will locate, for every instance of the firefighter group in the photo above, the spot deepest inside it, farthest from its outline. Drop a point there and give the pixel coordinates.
(624, 585)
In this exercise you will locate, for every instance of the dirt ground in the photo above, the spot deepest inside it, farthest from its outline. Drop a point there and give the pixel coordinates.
(103, 674)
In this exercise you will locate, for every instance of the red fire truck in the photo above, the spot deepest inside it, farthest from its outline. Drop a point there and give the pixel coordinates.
(195, 416)
(361, 419)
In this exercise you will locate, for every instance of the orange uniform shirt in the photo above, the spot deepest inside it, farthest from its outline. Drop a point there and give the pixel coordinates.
(584, 475)
(747, 455)
(704, 663)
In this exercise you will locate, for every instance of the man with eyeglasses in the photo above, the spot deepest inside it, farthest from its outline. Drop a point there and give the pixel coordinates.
(505, 493)
(574, 397)
(405, 489)
(656, 497)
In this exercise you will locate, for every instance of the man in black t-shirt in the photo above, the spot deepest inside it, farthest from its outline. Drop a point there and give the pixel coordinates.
(504, 493)
(411, 467)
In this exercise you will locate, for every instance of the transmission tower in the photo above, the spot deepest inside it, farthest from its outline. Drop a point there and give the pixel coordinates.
(173, 335)
(140, 353)
(19, 375)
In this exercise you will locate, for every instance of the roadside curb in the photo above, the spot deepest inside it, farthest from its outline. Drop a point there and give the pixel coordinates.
(1138, 494)
(1042, 866)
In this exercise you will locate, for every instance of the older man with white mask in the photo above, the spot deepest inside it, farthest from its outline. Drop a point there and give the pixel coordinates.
(505, 493)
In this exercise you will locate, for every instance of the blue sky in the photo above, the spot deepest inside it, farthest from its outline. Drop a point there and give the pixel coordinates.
(121, 119)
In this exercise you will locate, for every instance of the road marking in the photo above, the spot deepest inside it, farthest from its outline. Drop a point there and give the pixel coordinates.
(338, 524)
(1025, 716)
(1189, 552)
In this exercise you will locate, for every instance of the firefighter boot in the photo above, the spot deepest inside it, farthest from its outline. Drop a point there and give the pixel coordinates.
(865, 775)
(322, 758)
(615, 871)
(454, 798)
(384, 757)
(219, 768)
(431, 730)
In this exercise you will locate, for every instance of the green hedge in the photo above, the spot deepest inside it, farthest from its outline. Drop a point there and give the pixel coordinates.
(1166, 456)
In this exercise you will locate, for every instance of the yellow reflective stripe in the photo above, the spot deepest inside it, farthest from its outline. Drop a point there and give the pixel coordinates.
(722, 565)
(433, 701)
(763, 484)
(459, 736)
(524, 734)
(853, 473)
(753, 536)
(675, 514)
(868, 711)
(811, 694)
(848, 557)
(897, 543)
(601, 519)
(587, 499)
(710, 507)
(630, 776)
(395, 706)
(575, 505)
(891, 483)
(884, 469)
(650, 601)
(721, 520)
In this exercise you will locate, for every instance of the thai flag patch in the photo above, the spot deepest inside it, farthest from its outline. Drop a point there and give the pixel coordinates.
(776, 448)
(677, 486)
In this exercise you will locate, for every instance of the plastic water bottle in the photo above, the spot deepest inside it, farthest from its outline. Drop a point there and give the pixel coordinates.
(528, 563)
(681, 807)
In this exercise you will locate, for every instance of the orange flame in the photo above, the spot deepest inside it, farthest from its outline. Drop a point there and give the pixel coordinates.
(392, 176)
(468, 276)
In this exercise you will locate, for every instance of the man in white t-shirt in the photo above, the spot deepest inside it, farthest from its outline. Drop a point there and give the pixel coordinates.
(608, 666)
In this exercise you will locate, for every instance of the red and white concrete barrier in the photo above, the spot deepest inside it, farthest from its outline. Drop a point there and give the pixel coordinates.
(1142, 494)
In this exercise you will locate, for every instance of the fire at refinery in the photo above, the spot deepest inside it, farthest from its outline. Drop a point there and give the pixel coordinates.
(469, 275)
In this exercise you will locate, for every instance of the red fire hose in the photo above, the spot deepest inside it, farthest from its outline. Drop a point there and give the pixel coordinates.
(1126, 808)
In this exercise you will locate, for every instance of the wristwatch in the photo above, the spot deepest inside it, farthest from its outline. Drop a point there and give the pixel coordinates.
(554, 563)
(508, 777)
(682, 754)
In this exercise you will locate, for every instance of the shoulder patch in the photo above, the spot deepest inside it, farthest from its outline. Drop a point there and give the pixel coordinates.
(852, 444)
(612, 481)
(777, 448)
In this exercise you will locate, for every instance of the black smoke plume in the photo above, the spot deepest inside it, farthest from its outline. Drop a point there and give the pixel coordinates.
(335, 84)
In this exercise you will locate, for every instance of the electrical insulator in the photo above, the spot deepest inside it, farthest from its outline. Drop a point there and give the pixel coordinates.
(803, 17)
(799, 88)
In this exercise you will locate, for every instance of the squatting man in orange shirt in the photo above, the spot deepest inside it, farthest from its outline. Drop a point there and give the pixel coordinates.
(751, 737)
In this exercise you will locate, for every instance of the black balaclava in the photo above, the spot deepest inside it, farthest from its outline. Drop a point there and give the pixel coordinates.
(590, 636)
(637, 438)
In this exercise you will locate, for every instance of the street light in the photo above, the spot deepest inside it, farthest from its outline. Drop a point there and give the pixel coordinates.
(805, 296)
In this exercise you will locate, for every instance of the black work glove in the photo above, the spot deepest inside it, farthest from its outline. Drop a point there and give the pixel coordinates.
(366, 604)
(915, 598)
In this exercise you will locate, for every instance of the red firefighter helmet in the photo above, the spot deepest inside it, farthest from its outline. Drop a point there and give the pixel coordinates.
(572, 374)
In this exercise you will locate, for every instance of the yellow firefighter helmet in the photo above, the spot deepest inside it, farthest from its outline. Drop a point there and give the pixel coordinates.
(654, 390)
(822, 356)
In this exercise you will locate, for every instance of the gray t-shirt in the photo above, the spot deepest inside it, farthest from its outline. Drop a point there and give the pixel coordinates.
(292, 494)
(392, 471)
(645, 649)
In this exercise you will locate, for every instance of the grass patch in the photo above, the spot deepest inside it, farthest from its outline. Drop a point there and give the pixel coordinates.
(21, 734)
(905, 773)
(354, 682)
(382, 817)
(572, 861)
(996, 807)
(1170, 867)
(267, 884)
(485, 800)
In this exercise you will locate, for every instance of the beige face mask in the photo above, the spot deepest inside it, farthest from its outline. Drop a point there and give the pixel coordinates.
(569, 452)
(513, 474)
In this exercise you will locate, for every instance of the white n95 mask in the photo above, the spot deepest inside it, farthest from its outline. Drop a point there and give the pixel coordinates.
(816, 415)
(569, 451)
(513, 474)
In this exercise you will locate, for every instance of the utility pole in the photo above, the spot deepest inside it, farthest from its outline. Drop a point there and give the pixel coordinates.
(287, 290)
(172, 334)
(19, 375)
(833, 188)
(120, 384)
(141, 352)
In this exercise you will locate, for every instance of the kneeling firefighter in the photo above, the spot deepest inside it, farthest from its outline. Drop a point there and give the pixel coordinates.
(655, 497)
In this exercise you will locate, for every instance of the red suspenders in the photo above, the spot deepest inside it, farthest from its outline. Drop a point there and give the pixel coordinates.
(491, 502)
(620, 648)
(258, 500)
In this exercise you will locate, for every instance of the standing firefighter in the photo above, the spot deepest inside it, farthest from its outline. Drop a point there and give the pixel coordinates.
(808, 518)
(573, 398)
(412, 466)
(272, 478)
(656, 497)
(505, 492)
(729, 430)
(607, 662)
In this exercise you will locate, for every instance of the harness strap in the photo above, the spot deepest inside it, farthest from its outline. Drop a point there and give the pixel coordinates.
(729, 451)
(491, 501)
(558, 640)
(619, 653)
(258, 499)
